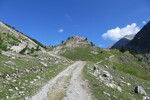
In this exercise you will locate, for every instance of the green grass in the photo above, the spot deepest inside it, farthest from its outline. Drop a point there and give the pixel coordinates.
(7, 39)
(132, 69)
(128, 65)
(3, 46)
(98, 88)
(85, 54)
(114, 52)
(29, 89)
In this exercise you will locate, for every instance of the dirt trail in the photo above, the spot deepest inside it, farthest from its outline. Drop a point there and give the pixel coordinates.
(78, 89)
(110, 57)
(68, 85)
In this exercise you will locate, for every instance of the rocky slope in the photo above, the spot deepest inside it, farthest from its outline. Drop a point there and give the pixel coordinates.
(123, 41)
(25, 65)
(141, 41)
(13, 40)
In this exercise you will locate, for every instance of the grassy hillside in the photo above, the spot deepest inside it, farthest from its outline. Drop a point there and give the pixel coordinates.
(86, 54)
(22, 76)
(127, 73)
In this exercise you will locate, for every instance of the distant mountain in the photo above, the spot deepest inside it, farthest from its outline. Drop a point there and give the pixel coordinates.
(141, 41)
(13, 40)
(122, 42)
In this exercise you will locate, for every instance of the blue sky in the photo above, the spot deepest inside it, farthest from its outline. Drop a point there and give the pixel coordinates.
(50, 21)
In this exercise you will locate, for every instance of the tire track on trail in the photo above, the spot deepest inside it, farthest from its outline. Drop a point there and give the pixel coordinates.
(78, 89)
(67, 85)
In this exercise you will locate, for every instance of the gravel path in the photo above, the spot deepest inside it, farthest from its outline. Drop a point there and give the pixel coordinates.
(43, 92)
(77, 89)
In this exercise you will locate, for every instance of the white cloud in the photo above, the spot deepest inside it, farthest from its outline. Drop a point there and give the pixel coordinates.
(144, 22)
(61, 30)
(118, 33)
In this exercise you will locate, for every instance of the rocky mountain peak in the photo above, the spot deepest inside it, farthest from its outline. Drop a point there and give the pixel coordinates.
(75, 40)
(70, 43)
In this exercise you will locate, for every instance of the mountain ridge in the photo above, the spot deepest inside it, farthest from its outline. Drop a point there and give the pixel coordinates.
(141, 40)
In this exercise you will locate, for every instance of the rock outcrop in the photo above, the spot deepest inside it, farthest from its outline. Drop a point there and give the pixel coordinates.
(139, 90)
(71, 43)
(75, 41)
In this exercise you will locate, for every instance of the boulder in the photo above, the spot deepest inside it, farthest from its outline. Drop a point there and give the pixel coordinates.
(120, 84)
(94, 68)
(139, 90)
(106, 93)
(145, 98)
(107, 75)
(10, 63)
(44, 64)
